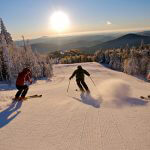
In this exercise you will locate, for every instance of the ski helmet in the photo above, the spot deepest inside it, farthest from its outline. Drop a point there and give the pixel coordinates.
(79, 67)
(26, 70)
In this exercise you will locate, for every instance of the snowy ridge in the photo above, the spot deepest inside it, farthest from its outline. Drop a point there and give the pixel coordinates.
(112, 118)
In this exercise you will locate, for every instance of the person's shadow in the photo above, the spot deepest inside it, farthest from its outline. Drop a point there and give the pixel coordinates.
(89, 100)
(6, 116)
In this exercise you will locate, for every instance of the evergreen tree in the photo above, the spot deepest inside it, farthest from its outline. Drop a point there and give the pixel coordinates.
(6, 34)
(4, 67)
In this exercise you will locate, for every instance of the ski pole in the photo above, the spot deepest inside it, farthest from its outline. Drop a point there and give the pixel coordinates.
(92, 80)
(68, 86)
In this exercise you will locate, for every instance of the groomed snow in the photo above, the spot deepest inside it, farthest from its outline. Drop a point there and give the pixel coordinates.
(112, 118)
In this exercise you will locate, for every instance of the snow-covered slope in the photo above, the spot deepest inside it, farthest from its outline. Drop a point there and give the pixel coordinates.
(112, 118)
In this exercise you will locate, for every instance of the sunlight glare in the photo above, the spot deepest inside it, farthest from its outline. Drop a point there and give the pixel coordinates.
(59, 21)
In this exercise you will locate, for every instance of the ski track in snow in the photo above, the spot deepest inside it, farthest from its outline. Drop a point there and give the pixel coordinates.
(68, 121)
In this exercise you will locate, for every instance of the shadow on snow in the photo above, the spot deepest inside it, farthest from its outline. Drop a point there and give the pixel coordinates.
(131, 101)
(6, 116)
(126, 102)
(89, 100)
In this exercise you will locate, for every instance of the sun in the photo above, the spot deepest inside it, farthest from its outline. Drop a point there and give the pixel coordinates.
(59, 21)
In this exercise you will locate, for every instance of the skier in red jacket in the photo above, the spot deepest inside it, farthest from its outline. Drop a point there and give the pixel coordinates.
(23, 77)
(148, 76)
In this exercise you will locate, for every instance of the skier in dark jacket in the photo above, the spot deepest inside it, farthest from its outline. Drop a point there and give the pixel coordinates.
(22, 78)
(79, 73)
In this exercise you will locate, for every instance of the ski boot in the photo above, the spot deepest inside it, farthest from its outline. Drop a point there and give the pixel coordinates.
(22, 98)
(16, 99)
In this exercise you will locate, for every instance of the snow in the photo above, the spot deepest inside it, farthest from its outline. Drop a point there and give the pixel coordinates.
(113, 117)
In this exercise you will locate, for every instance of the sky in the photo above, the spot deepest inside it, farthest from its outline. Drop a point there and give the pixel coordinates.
(31, 18)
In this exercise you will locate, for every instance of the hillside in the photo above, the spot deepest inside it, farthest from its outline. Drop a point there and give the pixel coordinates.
(121, 42)
(112, 118)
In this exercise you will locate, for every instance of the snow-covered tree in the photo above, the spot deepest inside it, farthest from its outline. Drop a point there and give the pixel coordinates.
(7, 35)
(13, 59)
(6, 62)
(134, 61)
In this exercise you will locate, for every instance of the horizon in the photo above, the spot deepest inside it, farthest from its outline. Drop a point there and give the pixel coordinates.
(129, 31)
(32, 19)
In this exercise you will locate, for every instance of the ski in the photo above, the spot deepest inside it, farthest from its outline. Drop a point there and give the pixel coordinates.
(82, 91)
(32, 96)
(145, 98)
(28, 97)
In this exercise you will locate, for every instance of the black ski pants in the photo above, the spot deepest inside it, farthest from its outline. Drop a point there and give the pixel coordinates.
(82, 85)
(22, 90)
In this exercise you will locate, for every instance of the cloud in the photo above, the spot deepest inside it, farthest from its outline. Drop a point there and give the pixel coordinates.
(108, 23)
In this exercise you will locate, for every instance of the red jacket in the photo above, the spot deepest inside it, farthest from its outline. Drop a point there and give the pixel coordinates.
(23, 77)
(148, 76)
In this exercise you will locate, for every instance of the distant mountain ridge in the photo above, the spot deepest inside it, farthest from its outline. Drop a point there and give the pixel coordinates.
(121, 42)
(45, 47)
(88, 43)
(48, 44)
(146, 33)
(70, 39)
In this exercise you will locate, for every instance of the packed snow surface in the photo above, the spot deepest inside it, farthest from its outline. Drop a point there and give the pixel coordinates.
(112, 117)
